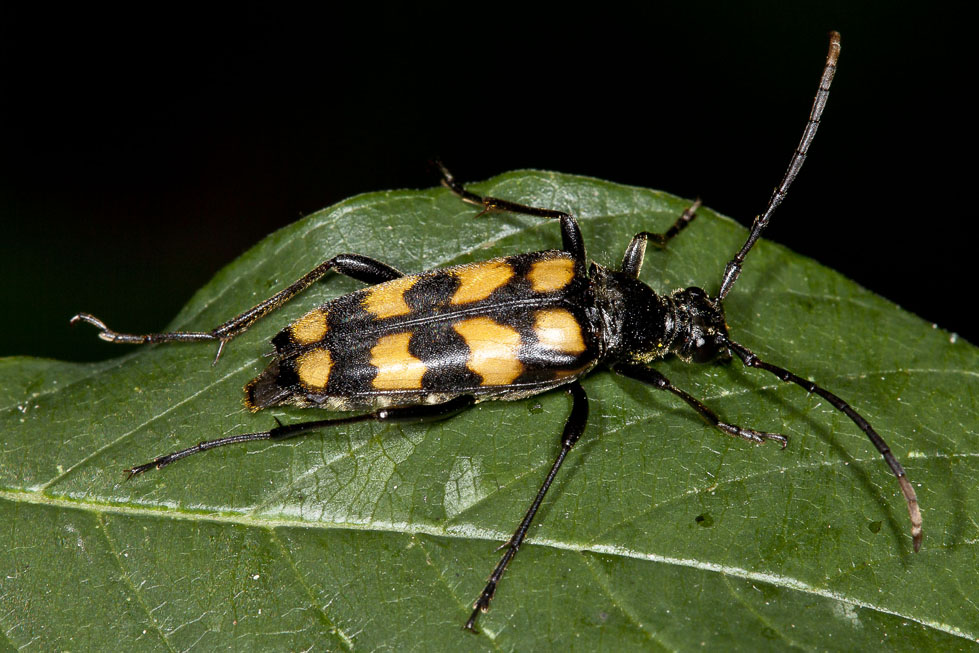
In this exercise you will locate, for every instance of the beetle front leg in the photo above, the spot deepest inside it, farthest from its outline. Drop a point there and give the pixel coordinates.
(355, 266)
(657, 380)
(634, 253)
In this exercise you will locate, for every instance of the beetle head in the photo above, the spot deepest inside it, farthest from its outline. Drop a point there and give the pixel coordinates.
(701, 329)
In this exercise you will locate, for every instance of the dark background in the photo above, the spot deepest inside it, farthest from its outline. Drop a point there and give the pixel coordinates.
(144, 148)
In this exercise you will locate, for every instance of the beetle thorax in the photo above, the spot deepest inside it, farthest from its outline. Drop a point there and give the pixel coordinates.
(641, 325)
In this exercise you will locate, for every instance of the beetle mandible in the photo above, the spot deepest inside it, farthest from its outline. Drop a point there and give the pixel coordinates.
(426, 346)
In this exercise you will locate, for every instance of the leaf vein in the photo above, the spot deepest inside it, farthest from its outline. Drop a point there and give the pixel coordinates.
(345, 639)
(786, 582)
(124, 577)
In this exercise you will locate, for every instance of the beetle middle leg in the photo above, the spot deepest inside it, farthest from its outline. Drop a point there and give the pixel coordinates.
(417, 413)
(573, 429)
(657, 380)
(571, 238)
(361, 268)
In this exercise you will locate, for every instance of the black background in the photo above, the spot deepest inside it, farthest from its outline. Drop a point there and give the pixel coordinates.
(143, 148)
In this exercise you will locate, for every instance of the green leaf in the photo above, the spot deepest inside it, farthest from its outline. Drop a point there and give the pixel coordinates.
(659, 533)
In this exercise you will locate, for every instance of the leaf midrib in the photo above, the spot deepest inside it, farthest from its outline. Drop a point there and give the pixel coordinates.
(470, 533)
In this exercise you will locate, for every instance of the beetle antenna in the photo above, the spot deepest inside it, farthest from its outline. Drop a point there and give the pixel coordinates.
(750, 360)
(733, 270)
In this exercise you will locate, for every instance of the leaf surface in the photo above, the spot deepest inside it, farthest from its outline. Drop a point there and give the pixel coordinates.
(659, 533)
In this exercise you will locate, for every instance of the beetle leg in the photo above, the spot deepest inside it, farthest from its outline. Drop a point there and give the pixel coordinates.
(571, 239)
(355, 266)
(420, 413)
(657, 380)
(632, 261)
(573, 429)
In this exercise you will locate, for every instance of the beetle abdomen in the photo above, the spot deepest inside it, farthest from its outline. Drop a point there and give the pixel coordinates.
(504, 328)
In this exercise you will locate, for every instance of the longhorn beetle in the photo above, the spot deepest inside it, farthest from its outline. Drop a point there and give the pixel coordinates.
(426, 346)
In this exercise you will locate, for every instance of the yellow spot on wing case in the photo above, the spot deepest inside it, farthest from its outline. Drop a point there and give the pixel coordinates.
(551, 274)
(313, 368)
(388, 299)
(493, 348)
(397, 369)
(310, 328)
(478, 281)
(557, 329)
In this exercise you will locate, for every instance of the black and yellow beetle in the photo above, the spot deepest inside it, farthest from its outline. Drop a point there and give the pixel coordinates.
(426, 346)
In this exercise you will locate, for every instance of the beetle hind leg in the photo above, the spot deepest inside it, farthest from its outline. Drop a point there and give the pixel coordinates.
(361, 268)
(419, 413)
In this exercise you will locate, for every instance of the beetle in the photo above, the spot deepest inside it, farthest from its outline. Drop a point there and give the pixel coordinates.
(417, 347)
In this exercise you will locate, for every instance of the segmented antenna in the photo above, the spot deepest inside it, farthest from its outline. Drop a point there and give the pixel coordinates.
(733, 270)
(749, 358)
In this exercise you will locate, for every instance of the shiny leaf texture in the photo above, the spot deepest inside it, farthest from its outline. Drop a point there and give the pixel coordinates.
(660, 533)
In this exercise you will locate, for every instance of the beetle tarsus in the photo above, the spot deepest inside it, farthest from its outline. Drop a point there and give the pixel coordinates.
(217, 355)
(481, 606)
(105, 333)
